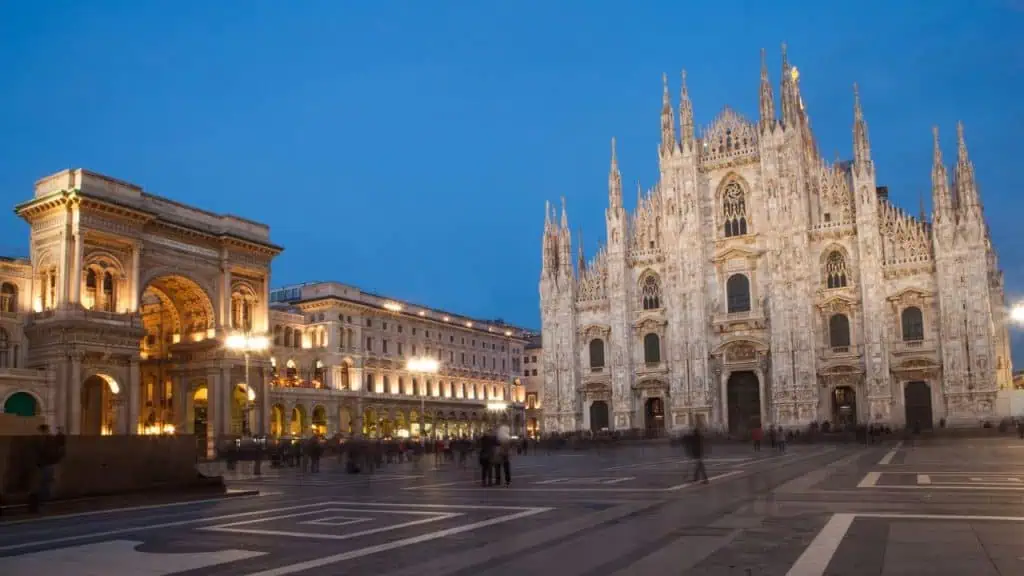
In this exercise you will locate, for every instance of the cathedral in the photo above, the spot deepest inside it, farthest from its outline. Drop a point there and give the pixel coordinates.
(759, 284)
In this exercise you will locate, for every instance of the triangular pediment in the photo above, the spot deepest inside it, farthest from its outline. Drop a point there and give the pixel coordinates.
(910, 293)
(731, 252)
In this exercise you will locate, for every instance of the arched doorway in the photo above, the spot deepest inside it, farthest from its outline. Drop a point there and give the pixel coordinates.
(654, 416)
(917, 401)
(599, 415)
(743, 398)
(319, 420)
(299, 424)
(97, 405)
(201, 417)
(277, 420)
(177, 314)
(844, 407)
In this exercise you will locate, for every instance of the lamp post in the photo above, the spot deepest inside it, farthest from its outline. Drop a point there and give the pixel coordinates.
(247, 344)
(1017, 313)
(423, 365)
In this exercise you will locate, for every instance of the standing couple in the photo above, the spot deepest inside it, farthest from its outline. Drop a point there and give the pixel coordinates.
(494, 456)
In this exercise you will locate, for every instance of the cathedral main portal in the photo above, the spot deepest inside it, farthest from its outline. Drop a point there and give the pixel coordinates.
(743, 395)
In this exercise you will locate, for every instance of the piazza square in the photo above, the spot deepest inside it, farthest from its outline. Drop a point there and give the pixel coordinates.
(765, 359)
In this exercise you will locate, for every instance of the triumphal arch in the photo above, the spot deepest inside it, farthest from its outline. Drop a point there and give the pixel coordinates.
(133, 299)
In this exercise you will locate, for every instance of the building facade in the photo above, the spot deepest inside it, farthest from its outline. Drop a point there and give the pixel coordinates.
(533, 384)
(758, 283)
(116, 323)
(128, 317)
(348, 361)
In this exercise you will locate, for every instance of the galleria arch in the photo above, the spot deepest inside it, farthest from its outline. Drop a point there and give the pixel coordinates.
(147, 297)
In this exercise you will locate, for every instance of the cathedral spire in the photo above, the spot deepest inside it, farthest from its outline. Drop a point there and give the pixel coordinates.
(581, 260)
(614, 181)
(786, 91)
(965, 187)
(565, 217)
(685, 116)
(861, 144)
(668, 129)
(565, 243)
(942, 202)
(767, 97)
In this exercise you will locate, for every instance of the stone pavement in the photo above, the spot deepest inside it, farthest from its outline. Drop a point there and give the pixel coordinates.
(942, 507)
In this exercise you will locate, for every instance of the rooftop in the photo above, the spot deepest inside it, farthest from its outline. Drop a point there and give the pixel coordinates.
(299, 294)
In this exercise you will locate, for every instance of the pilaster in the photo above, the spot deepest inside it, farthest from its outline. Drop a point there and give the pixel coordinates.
(133, 397)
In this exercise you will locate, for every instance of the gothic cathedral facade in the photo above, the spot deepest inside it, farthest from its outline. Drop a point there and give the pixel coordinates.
(757, 284)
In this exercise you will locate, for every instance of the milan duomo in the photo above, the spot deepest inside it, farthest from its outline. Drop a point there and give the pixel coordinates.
(758, 284)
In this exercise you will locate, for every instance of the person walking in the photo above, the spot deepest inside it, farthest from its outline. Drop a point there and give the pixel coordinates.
(487, 449)
(757, 434)
(502, 461)
(48, 451)
(697, 453)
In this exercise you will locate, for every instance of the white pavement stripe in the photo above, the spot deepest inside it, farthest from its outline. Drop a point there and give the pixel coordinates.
(116, 557)
(143, 528)
(887, 459)
(335, 558)
(924, 479)
(869, 480)
(132, 509)
(815, 559)
(433, 517)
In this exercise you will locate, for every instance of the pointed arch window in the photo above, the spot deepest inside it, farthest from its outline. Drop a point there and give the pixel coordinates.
(596, 354)
(912, 322)
(8, 298)
(650, 292)
(737, 293)
(734, 209)
(839, 331)
(652, 349)
(836, 271)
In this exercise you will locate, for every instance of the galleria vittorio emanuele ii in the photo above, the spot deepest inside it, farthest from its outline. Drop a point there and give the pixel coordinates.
(759, 284)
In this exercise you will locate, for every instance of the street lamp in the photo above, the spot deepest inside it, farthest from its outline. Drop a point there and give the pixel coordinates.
(1017, 313)
(423, 365)
(247, 344)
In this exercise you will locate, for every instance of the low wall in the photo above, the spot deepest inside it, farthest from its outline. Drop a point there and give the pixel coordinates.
(101, 465)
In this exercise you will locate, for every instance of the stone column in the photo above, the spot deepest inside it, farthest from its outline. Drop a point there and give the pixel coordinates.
(180, 399)
(264, 324)
(357, 419)
(63, 268)
(213, 407)
(286, 420)
(226, 399)
(133, 302)
(77, 255)
(723, 399)
(262, 416)
(74, 394)
(225, 291)
(132, 398)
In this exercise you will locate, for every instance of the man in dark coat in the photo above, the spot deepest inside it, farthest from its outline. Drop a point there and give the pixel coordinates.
(696, 442)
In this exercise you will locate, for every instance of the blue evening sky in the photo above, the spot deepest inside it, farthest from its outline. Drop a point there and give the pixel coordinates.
(408, 147)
